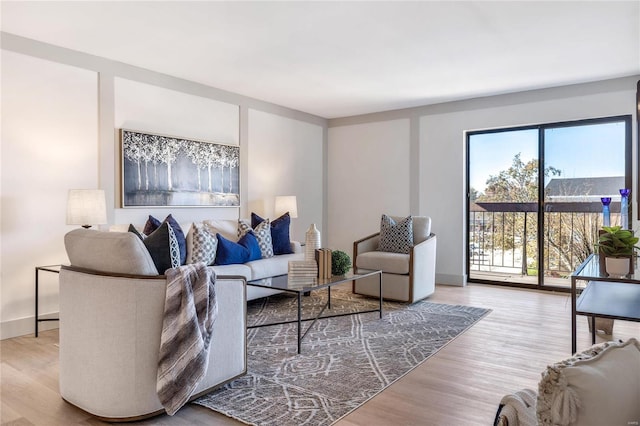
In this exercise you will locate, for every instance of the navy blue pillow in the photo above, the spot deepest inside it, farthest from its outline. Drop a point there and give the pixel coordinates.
(245, 250)
(153, 224)
(279, 232)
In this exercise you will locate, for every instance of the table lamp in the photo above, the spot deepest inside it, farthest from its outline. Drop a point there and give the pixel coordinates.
(286, 203)
(86, 207)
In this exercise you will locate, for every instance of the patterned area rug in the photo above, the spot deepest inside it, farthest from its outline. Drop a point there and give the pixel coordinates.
(345, 361)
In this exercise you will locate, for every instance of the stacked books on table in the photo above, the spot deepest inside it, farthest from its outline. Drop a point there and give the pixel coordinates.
(303, 269)
(323, 258)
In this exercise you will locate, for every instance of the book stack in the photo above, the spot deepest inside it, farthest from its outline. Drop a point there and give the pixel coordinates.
(323, 258)
(303, 269)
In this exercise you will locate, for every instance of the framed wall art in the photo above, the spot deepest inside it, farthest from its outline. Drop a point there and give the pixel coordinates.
(159, 170)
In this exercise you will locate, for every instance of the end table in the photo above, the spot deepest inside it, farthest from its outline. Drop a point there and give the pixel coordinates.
(47, 268)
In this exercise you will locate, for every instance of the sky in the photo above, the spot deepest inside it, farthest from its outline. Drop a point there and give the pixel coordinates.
(579, 151)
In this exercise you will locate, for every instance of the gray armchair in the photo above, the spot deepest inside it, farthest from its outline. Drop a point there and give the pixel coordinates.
(405, 277)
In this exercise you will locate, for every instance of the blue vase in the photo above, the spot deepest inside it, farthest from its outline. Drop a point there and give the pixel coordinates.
(606, 212)
(624, 208)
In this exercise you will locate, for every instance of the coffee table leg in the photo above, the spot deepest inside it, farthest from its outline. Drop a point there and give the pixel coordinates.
(380, 292)
(329, 297)
(299, 320)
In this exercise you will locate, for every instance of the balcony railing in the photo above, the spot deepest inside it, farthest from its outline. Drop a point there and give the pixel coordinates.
(503, 239)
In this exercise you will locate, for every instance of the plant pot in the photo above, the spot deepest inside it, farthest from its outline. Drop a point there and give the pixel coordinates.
(617, 267)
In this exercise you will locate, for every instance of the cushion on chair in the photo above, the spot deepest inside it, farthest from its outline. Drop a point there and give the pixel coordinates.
(392, 263)
(421, 227)
(396, 236)
(600, 386)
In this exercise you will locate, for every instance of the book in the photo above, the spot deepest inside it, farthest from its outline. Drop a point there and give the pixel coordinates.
(303, 268)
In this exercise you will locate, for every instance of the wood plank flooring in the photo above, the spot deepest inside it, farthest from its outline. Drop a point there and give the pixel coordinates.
(460, 385)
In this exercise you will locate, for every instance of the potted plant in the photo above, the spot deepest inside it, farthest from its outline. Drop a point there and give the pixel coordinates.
(617, 245)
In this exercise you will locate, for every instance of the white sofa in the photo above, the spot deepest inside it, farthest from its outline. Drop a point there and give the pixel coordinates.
(405, 277)
(111, 312)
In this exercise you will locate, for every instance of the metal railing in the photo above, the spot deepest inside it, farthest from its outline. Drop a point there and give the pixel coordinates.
(503, 238)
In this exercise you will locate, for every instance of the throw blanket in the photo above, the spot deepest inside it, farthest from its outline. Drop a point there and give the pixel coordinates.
(519, 409)
(189, 313)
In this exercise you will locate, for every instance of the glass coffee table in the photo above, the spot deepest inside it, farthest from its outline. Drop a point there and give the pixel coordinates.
(305, 285)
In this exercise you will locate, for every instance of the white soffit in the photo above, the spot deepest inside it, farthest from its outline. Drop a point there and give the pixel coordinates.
(336, 59)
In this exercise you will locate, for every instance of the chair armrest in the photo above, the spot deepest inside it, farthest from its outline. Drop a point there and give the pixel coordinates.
(364, 245)
(422, 268)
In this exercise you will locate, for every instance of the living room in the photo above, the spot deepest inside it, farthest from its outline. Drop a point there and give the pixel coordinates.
(63, 103)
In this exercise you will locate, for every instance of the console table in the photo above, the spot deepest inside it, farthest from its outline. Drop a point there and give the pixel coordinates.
(604, 297)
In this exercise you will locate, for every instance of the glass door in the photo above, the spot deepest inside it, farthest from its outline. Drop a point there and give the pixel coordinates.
(534, 197)
(503, 206)
(587, 162)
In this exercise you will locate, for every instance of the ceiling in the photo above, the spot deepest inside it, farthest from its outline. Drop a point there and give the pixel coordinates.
(337, 59)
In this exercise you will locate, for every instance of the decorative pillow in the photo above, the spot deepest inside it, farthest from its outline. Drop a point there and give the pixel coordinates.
(279, 232)
(135, 231)
(245, 250)
(202, 243)
(163, 248)
(396, 237)
(153, 224)
(600, 386)
(262, 233)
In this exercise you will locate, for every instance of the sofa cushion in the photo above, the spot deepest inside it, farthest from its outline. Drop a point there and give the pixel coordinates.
(604, 382)
(276, 265)
(245, 250)
(279, 232)
(392, 263)
(115, 252)
(153, 224)
(227, 228)
(263, 234)
(163, 247)
(396, 236)
(202, 244)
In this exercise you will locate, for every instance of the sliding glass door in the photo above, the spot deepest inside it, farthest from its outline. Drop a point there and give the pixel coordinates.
(534, 195)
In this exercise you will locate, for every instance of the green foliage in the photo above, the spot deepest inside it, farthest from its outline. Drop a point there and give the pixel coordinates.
(340, 262)
(616, 242)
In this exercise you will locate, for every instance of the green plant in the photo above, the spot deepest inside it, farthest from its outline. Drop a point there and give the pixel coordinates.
(616, 242)
(340, 262)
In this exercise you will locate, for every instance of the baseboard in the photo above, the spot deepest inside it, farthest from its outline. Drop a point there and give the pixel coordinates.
(450, 279)
(24, 326)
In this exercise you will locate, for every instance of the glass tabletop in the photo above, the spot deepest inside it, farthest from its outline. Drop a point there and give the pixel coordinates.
(303, 284)
(593, 269)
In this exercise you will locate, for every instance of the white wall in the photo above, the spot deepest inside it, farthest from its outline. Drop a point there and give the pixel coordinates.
(154, 109)
(49, 145)
(60, 113)
(285, 158)
(440, 185)
(368, 174)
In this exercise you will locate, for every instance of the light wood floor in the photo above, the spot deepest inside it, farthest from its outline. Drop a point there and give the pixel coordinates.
(460, 385)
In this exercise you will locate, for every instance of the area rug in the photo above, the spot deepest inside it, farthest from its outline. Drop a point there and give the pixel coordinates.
(345, 361)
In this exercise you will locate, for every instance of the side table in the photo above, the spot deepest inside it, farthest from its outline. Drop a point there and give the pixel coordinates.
(603, 296)
(47, 268)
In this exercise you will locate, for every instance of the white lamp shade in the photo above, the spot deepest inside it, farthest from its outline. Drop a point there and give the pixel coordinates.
(86, 207)
(286, 203)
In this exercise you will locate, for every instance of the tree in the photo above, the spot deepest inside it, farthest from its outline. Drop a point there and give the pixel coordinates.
(132, 146)
(511, 226)
(232, 157)
(168, 154)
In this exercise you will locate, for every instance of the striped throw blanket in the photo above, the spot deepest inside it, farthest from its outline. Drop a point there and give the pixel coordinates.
(189, 313)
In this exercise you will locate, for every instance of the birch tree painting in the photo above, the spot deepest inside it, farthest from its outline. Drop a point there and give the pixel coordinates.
(162, 170)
